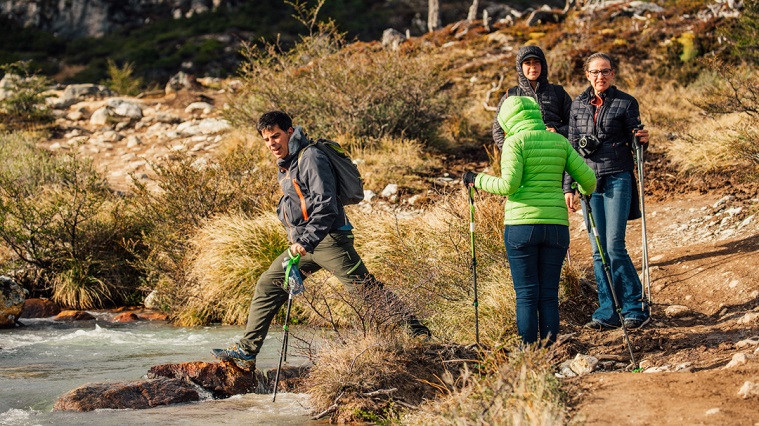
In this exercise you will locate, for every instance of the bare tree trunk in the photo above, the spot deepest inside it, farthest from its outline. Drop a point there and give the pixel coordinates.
(433, 15)
(473, 11)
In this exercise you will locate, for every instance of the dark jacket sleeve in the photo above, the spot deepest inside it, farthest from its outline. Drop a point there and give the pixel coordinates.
(566, 108)
(498, 135)
(572, 137)
(315, 172)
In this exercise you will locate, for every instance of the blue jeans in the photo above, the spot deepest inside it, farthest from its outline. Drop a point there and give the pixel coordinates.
(610, 205)
(536, 253)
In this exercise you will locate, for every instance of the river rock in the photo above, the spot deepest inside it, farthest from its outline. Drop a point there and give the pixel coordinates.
(11, 301)
(40, 308)
(73, 316)
(126, 317)
(136, 394)
(223, 379)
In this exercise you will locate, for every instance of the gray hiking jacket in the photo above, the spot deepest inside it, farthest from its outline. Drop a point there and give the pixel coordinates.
(309, 207)
(554, 101)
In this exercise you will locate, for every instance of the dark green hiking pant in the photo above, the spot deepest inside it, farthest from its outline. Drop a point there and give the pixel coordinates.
(337, 255)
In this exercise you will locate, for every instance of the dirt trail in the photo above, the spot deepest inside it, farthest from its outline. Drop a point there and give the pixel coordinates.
(704, 252)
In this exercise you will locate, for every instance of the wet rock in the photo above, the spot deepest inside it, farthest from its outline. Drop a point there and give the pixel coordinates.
(222, 379)
(677, 311)
(153, 316)
(748, 390)
(11, 301)
(738, 359)
(73, 316)
(291, 379)
(138, 394)
(40, 308)
(126, 317)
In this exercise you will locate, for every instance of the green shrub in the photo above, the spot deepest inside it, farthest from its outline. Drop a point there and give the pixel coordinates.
(63, 223)
(189, 193)
(362, 91)
(25, 101)
(121, 80)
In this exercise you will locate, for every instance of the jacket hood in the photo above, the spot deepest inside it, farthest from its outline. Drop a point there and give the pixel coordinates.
(298, 140)
(523, 54)
(520, 113)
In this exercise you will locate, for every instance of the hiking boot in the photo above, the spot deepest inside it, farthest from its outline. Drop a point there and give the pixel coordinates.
(236, 354)
(633, 323)
(595, 324)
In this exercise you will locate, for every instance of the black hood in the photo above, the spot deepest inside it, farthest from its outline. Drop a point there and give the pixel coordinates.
(523, 53)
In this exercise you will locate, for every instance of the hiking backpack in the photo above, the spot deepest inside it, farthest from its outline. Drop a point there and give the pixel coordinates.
(350, 185)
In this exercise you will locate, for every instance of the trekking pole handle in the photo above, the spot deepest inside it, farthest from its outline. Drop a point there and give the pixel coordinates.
(636, 138)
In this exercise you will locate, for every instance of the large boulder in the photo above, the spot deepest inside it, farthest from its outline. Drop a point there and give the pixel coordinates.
(40, 308)
(223, 379)
(11, 301)
(136, 394)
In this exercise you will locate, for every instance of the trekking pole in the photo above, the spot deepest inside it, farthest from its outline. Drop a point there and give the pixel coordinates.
(474, 265)
(644, 240)
(607, 270)
(294, 286)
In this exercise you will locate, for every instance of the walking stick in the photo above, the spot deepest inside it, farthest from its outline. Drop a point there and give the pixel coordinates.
(294, 284)
(607, 270)
(644, 241)
(474, 265)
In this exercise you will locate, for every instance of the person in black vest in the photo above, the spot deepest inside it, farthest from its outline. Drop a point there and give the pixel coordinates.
(602, 124)
(554, 102)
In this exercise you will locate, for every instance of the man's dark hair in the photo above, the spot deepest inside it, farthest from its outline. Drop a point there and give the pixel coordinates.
(274, 118)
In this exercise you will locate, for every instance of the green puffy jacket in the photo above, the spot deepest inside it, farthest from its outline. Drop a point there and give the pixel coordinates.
(533, 163)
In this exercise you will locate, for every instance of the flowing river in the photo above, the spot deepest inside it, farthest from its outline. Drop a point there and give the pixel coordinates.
(45, 359)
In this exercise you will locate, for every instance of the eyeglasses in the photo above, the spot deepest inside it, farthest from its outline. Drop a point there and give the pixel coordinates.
(604, 72)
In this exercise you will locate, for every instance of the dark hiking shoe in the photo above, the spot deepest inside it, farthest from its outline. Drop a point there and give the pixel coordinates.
(599, 325)
(236, 354)
(633, 323)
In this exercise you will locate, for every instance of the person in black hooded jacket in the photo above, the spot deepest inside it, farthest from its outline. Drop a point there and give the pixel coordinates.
(532, 76)
(609, 116)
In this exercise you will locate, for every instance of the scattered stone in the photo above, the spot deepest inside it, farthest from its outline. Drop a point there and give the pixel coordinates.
(583, 364)
(206, 127)
(73, 316)
(390, 190)
(392, 38)
(748, 318)
(137, 394)
(180, 81)
(100, 117)
(165, 117)
(369, 194)
(748, 390)
(12, 298)
(645, 364)
(738, 359)
(685, 367)
(712, 411)
(751, 341)
(660, 369)
(75, 116)
(202, 107)
(133, 141)
(39, 308)
(223, 379)
(677, 311)
(124, 108)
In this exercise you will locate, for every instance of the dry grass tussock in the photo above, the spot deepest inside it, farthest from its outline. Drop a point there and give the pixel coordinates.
(711, 144)
(426, 260)
(229, 253)
(513, 388)
(372, 378)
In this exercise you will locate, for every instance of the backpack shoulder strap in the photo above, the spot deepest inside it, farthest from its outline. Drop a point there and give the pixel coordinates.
(513, 91)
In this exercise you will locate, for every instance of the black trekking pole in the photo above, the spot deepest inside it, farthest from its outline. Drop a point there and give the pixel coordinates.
(294, 283)
(474, 266)
(644, 240)
(607, 270)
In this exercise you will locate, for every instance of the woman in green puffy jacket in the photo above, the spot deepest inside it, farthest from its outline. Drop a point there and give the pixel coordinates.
(536, 221)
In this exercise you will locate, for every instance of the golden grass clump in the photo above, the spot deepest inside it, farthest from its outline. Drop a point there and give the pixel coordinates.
(229, 253)
(372, 378)
(512, 388)
(709, 145)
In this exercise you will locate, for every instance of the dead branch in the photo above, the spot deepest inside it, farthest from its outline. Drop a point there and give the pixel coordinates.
(494, 87)
(380, 392)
